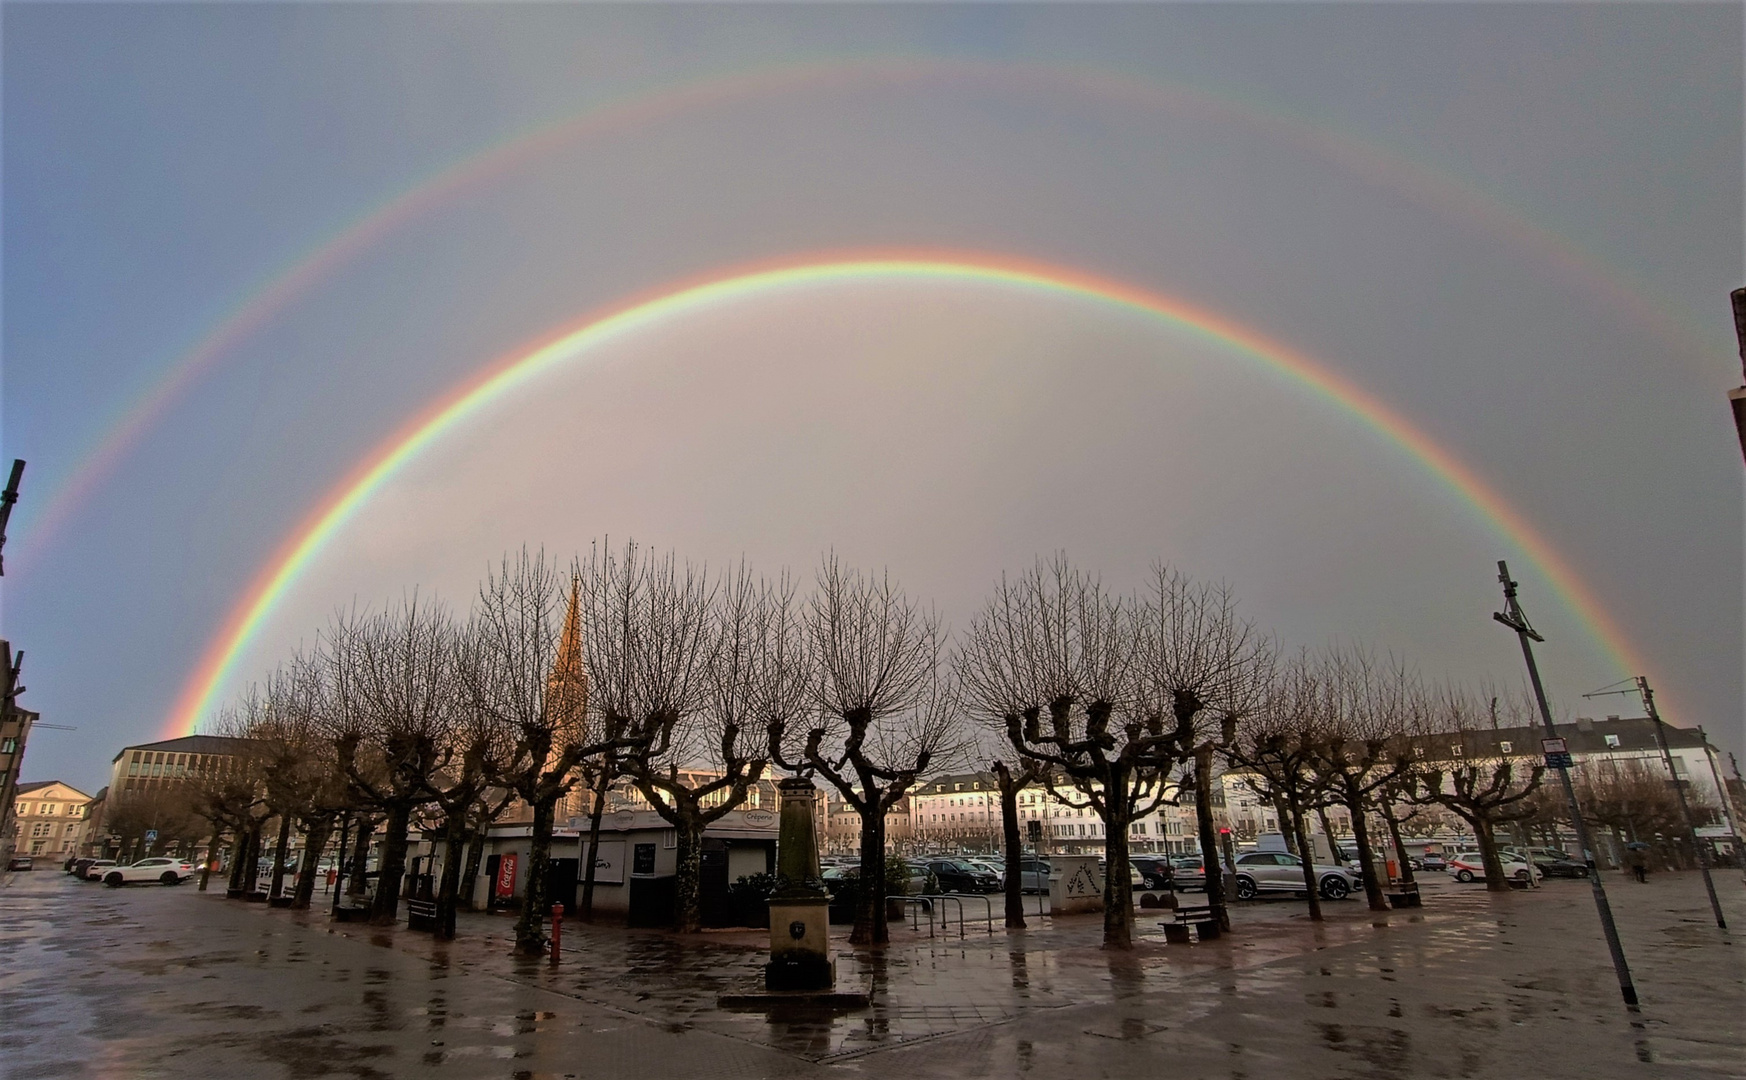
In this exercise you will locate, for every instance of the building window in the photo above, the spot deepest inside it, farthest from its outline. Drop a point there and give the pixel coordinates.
(8, 745)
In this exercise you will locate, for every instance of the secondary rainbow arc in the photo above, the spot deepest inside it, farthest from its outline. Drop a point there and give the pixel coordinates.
(217, 667)
(278, 292)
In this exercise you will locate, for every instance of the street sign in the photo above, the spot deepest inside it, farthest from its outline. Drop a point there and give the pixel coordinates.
(151, 836)
(1557, 754)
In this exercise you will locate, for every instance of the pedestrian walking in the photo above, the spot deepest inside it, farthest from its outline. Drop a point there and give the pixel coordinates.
(1638, 860)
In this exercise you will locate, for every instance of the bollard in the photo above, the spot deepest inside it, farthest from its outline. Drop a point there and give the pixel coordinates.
(557, 929)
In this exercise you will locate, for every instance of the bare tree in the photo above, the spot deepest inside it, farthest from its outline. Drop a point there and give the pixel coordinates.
(478, 752)
(884, 712)
(1468, 773)
(535, 683)
(1276, 749)
(1066, 651)
(393, 700)
(997, 682)
(678, 676)
(1206, 669)
(1362, 747)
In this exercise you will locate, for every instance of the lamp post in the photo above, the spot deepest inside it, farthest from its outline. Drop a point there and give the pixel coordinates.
(1513, 617)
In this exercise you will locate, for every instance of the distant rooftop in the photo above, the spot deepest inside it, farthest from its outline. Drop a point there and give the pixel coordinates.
(189, 744)
(26, 789)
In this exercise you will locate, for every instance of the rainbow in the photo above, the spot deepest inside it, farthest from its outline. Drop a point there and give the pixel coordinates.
(217, 667)
(1415, 180)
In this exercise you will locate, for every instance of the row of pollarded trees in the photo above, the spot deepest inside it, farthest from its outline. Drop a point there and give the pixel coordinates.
(656, 674)
(690, 686)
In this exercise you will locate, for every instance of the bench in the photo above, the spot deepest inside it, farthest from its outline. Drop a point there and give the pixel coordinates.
(421, 915)
(1402, 894)
(1199, 918)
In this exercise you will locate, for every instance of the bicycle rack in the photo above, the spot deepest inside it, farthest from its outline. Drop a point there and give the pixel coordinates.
(956, 898)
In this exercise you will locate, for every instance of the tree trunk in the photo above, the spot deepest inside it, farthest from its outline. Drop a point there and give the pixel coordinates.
(360, 856)
(470, 875)
(1361, 837)
(1118, 890)
(392, 867)
(1483, 836)
(1310, 884)
(314, 843)
(688, 879)
(1009, 829)
(1283, 810)
(1210, 857)
(870, 928)
(448, 886)
(594, 818)
(280, 851)
(238, 848)
(211, 856)
(530, 929)
(1400, 855)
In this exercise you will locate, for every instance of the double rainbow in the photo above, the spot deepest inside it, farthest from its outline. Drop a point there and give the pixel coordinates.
(217, 668)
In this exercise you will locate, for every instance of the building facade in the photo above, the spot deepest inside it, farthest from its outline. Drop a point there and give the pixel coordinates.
(962, 811)
(49, 820)
(172, 762)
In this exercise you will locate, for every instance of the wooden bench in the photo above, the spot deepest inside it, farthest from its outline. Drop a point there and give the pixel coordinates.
(1181, 929)
(1402, 894)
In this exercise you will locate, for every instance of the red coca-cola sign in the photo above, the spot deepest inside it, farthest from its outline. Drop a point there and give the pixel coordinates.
(506, 876)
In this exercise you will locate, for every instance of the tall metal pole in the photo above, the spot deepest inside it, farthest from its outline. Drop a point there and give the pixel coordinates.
(1516, 620)
(1727, 800)
(1697, 843)
(7, 498)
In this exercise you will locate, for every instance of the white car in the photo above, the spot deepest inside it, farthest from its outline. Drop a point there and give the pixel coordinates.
(98, 868)
(1470, 866)
(162, 870)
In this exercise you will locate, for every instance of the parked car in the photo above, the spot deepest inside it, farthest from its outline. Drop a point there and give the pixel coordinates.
(20, 862)
(80, 865)
(994, 866)
(1470, 866)
(1188, 872)
(161, 870)
(1553, 862)
(94, 872)
(1279, 871)
(1156, 871)
(1034, 874)
(957, 875)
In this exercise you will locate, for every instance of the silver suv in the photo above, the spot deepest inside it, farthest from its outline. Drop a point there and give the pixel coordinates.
(1279, 871)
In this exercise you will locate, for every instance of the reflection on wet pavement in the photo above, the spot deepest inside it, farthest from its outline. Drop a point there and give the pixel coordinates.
(167, 982)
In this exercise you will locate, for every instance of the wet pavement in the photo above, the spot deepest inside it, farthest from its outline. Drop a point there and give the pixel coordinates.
(168, 982)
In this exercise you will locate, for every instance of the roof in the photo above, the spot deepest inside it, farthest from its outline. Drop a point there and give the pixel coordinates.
(1584, 736)
(189, 744)
(26, 789)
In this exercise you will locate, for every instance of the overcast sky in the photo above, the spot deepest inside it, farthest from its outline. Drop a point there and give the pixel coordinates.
(1514, 225)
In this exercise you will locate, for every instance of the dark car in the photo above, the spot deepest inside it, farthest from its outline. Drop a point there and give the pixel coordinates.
(955, 875)
(1555, 863)
(1155, 871)
(20, 862)
(1433, 861)
(80, 865)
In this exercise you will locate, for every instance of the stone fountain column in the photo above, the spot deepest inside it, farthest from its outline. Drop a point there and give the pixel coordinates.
(800, 950)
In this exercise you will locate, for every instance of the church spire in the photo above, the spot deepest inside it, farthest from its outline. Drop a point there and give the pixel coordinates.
(567, 687)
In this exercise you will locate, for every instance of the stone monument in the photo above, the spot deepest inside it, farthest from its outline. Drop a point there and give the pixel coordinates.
(800, 950)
